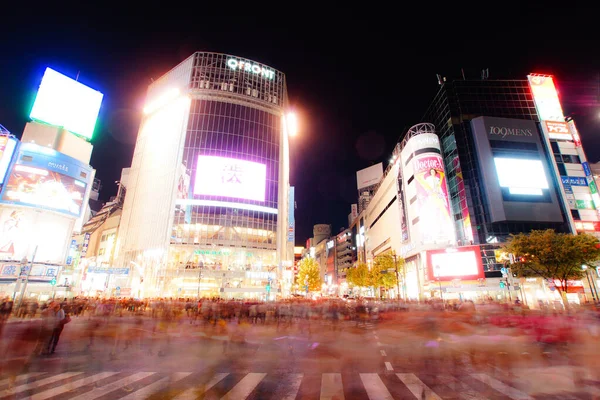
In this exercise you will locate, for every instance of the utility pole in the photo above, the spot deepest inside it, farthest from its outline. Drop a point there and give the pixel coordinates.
(24, 289)
(397, 277)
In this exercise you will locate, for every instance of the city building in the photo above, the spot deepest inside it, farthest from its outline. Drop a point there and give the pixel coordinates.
(366, 182)
(207, 210)
(90, 272)
(46, 182)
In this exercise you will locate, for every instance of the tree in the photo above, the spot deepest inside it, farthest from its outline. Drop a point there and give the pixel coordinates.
(383, 272)
(359, 275)
(551, 255)
(309, 272)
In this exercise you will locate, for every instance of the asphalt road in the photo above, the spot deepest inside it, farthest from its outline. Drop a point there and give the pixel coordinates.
(139, 358)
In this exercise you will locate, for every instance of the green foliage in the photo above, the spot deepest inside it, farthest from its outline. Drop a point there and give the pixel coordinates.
(552, 255)
(309, 272)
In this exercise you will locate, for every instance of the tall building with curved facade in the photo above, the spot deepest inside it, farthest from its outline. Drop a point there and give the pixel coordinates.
(207, 208)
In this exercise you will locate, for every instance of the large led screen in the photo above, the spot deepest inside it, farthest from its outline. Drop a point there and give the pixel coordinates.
(521, 176)
(460, 263)
(62, 101)
(42, 188)
(546, 98)
(230, 177)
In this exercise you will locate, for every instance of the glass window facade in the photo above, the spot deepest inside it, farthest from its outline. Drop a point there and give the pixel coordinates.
(452, 109)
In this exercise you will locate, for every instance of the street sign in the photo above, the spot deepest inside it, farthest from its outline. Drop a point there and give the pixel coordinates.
(53, 281)
(503, 270)
(118, 287)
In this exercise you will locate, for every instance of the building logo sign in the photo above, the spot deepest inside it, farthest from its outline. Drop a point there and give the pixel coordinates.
(558, 130)
(504, 131)
(574, 180)
(247, 66)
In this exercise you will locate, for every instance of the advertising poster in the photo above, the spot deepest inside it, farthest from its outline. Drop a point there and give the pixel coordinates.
(46, 189)
(21, 230)
(402, 206)
(291, 234)
(464, 207)
(432, 199)
(7, 149)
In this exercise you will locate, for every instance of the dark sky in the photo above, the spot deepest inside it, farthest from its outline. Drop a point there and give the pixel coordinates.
(357, 77)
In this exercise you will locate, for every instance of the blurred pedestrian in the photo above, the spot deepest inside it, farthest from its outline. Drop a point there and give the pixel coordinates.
(56, 319)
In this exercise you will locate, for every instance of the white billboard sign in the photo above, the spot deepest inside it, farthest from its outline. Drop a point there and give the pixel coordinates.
(369, 176)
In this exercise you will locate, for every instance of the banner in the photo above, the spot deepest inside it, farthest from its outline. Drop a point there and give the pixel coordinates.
(464, 207)
(432, 199)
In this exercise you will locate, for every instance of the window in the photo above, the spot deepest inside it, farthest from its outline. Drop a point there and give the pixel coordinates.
(575, 215)
(561, 169)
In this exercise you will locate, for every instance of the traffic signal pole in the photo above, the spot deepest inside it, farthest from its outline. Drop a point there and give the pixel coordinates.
(24, 289)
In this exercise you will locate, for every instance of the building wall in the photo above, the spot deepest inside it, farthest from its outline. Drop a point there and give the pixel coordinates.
(229, 108)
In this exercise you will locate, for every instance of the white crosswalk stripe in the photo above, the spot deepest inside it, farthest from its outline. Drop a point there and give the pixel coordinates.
(245, 387)
(502, 387)
(417, 387)
(157, 386)
(121, 383)
(193, 392)
(239, 386)
(71, 386)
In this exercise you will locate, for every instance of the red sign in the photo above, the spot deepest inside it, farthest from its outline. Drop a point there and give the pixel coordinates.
(558, 130)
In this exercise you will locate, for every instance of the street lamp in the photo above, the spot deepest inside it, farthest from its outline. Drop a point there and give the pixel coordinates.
(397, 277)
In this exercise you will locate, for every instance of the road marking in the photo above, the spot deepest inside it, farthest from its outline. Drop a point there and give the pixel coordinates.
(379, 344)
(376, 337)
(291, 391)
(383, 353)
(388, 365)
(331, 387)
(245, 387)
(417, 387)
(503, 388)
(465, 391)
(193, 392)
(71, 386)
(21, 377)
(375, 388)
(43, 382)
(156, 386)
(101, 391)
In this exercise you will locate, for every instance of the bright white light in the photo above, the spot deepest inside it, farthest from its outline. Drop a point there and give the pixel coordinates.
(63, 101)
(230, 177)
(461, 263)
(31, 170)
(215, 203)
(292, 124)
(524, 177)
(161, 101)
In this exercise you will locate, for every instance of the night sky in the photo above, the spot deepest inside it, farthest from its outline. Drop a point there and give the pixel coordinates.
(357, 78)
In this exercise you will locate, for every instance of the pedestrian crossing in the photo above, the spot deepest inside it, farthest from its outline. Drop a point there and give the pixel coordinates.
(80, 385)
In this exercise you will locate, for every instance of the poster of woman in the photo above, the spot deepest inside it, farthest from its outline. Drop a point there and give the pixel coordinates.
(432, 199)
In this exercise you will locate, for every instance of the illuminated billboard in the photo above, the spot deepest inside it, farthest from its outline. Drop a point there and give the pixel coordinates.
(432, 198)
(515, 175)
(22, 229)
(62, 101)
(521, 176)
(44, 178)
(546, 98)
(7, 149)
(557, 130)
(455, 263)
(230, 177)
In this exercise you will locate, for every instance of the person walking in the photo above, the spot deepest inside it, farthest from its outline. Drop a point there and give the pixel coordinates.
(56, 320)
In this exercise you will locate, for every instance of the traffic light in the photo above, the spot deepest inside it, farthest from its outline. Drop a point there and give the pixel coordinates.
(502, 284)
(269, 287)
